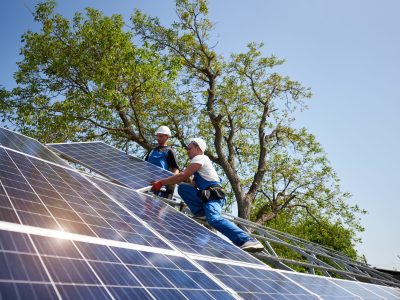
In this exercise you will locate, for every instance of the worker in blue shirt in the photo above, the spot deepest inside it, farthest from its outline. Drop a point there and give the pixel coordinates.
(205, 196)
(164, 157)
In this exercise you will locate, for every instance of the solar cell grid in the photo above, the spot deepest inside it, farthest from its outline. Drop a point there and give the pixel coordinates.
(185, 234)
(36, 193)
(49, 196)
(323, 287)
(22, 275)
(112, 163)
(27, 145)
(385, 292)
(35, 291)
(77, 270)
(253, 283)
(358, 289)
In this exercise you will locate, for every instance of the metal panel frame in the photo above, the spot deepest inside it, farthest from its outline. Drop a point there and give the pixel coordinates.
(341, 266)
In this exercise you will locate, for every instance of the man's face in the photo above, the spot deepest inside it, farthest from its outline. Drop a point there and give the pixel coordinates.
(162, 139)
(193, 150)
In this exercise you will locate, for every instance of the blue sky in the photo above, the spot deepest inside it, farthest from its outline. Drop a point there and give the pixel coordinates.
(346, 51)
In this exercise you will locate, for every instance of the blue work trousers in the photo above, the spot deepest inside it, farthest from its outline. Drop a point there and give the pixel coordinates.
(212, 210)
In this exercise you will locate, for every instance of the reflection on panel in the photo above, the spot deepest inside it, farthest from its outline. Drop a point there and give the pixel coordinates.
(27, 145)
(252, 283)
(77, 270)
(369, 291)
(35, 193)
(386, 291)
(22, 275)
(112, 163)
(323, 287)
(184, 233)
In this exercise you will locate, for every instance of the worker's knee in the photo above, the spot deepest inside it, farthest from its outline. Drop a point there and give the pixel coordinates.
(186, 189)
(214, 220)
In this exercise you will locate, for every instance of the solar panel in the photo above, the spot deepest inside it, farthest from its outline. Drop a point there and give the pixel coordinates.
(36, 193)
(112, 163)
(387, 291)
(369, 291)
(49, 196)
(27, 145)
(42, 267)
(257, 282)
(183, 232)
(332, 289)
(69, 236)
(365, 291)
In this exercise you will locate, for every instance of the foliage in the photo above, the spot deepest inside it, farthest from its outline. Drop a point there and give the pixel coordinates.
(246, 113)
(300, 179)
(86, 79)
(333, 235)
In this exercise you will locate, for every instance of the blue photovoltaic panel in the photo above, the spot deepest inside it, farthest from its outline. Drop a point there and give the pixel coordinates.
(385, 292)
(36, 193)
(47, 196)
(361, 290)
(254, 283)
(27, 145)
(112, 163)
(22, 275)
(40, 267)
(183, 232)
(329, 290)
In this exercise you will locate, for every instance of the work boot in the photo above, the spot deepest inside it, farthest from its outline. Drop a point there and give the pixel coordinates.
(252, 246)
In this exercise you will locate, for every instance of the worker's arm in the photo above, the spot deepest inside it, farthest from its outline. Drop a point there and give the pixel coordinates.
(177, 178)
(180, 177)
(175, 171)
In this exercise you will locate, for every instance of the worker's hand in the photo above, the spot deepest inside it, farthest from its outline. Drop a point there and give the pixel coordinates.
(156, 186)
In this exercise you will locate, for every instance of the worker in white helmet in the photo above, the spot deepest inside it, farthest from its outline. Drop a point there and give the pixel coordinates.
(164, 157)
(205, 197)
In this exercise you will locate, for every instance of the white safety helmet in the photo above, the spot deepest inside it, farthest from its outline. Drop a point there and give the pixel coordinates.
(200, 142)
(164, 130)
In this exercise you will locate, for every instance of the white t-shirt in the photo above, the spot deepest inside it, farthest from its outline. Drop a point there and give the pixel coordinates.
(206, 170)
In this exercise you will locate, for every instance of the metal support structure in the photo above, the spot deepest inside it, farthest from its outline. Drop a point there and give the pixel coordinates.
(312, 253)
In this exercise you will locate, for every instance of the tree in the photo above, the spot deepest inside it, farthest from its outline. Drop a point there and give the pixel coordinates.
(85, 79)
(301, 225)
(300, 179)
(88, 79)
(246, 112)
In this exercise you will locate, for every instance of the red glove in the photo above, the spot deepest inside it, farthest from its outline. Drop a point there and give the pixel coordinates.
(156, 186)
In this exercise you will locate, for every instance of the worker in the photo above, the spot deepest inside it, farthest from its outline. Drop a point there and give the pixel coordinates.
(205, 196)
(164, 157)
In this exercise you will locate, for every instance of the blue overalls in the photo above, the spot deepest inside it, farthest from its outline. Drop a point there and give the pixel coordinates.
(211, 209)
(159, 158)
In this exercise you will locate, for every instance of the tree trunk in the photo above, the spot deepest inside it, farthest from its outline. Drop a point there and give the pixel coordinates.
(244, 208)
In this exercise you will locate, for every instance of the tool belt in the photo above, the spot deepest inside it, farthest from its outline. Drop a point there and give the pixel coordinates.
(212, 193)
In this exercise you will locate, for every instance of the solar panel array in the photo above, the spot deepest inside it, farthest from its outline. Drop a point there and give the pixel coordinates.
(42, 267)
(49, 196)
(184, 233)
(64, 235)
(313, 258)
(112, 163)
